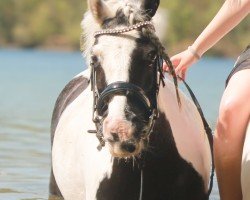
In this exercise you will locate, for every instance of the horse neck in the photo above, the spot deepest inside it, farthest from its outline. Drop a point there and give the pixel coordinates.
(169, 110)
(161, 141)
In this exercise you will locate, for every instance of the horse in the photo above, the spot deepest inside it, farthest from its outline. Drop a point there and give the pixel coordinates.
(122, 130)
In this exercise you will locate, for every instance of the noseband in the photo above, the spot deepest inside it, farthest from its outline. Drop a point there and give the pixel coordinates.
(121, 88)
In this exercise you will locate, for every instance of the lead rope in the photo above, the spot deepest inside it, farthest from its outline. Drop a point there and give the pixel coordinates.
(205, 124)
(208, 132)
(141, 188)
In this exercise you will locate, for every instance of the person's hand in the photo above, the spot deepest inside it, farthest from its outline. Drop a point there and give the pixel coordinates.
(182, 62)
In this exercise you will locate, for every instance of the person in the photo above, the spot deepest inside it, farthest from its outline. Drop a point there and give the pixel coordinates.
(234, 111)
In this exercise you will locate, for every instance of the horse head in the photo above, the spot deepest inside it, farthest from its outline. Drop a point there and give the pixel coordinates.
(124, 57)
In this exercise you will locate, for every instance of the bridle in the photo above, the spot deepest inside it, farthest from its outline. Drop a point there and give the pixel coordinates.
(120, 88)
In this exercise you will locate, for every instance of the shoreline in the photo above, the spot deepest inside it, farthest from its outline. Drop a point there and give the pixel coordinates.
(215, 52)
(56, 48)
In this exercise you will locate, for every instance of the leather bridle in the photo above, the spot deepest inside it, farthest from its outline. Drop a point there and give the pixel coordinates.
(120, 88)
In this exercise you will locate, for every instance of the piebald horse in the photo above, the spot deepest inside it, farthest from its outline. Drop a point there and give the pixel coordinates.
(120, 130)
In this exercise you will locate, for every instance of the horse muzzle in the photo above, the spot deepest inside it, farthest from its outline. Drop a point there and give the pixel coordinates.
(125, 136)
(121, 136)
(126, 149)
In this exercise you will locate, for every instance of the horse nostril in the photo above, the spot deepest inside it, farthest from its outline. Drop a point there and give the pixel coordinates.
(128, 146)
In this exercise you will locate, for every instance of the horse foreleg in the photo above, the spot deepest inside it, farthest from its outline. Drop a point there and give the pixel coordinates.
(54, 192)
(71, 91)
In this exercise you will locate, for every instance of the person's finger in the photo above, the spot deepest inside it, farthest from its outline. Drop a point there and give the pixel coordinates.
(176, 59)
(179, 68)
(165, 67)
(183, 74)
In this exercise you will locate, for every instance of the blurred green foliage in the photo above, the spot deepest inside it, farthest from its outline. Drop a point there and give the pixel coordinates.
(56, 24)
(48, 23)
(187, 19)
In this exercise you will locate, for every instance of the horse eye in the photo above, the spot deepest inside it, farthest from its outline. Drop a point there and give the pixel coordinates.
(94, 61)
(151, 56)
(94, 58)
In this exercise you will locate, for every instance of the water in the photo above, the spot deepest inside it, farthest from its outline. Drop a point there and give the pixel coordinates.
(30, 82)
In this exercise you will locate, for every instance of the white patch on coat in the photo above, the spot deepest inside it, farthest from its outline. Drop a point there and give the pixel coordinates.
(116, 107)
(114, 54)
(188, 130)
(77, 164)
(245, 166)
(160, 21)
(85, 74)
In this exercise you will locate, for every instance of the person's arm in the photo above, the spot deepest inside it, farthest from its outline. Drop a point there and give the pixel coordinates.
(231, 13)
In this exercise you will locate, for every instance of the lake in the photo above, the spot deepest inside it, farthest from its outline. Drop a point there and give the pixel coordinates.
(30, 81)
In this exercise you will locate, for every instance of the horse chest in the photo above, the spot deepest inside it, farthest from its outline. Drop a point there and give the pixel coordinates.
(164, 175)
(77, 164)
(161, 178)
(83, 172)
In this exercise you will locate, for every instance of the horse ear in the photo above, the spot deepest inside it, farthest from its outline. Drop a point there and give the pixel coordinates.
(150, 7)
(99, 10)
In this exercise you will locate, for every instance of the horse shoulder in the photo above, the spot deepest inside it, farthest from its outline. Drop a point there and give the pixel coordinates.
(75, 148)
(188, 130)
(70, 92)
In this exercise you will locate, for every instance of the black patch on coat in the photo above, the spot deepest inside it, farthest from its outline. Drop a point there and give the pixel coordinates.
(70, 92)
(166, 175)
(143, 73)
(143, 67)
(101, 82)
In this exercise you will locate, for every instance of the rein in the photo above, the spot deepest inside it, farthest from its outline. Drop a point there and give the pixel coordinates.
(125, 88)
(207, 129)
